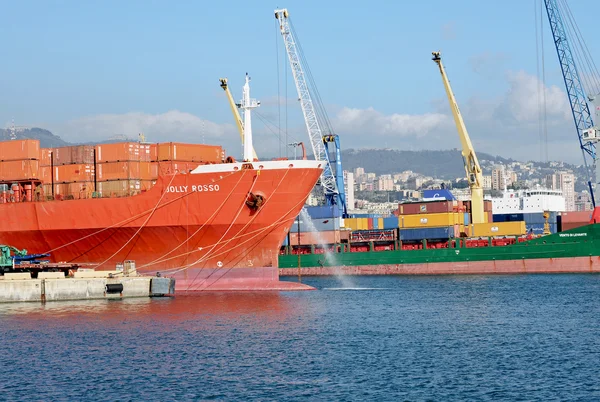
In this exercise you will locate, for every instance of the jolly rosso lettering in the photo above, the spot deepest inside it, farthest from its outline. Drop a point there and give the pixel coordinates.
(190, 189)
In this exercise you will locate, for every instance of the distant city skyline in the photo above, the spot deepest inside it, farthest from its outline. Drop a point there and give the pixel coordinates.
(90, 70)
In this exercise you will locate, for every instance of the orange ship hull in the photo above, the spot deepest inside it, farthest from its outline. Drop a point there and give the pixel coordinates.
(197, 227)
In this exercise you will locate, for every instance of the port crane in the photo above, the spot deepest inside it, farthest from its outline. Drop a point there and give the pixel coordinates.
(587, 133)
(234, 110)
(320, 133)
(472, 167)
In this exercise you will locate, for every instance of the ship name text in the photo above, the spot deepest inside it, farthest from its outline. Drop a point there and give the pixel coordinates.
(195, 188)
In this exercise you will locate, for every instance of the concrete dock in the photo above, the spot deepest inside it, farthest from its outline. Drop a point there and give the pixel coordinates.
(54, 286)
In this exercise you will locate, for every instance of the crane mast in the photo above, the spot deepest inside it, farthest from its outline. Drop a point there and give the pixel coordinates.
(234, 110)
(587, 134)
(472, 168)
(318, 140)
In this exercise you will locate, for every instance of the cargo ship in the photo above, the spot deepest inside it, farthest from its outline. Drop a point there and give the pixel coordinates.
(180, 210)
(435, 238)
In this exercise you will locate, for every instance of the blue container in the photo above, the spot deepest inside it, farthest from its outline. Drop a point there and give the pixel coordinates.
(315, 225)
(444, 194)
(508, 217)
(467, 219)
(390, 222)
(417, 234)
(323, 211)
(538, 228)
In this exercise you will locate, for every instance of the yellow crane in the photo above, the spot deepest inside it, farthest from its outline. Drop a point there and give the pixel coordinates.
(234, 109)
(472, 168)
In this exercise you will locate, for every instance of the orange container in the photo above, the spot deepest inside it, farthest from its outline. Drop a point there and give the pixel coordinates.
(46, 156)
(146, 152)
(169, 167)
(20, 170)
(71, 173)
(174, 151)
(19, 149)
(118, 170)
(148, 170)
(153, 152)
(307, 238)
(69, 191)
(119, 151)
(123, 188)
(46, 174)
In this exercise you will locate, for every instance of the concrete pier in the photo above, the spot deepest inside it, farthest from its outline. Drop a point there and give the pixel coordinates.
(53, 287)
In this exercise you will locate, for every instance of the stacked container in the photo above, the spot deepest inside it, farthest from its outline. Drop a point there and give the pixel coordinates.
(20, 160)
(432, 221)
(173, 157)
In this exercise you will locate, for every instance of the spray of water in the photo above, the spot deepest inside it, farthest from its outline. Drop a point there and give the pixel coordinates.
(330, 258)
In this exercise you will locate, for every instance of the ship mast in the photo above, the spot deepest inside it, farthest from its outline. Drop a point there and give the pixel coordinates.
(247, 104)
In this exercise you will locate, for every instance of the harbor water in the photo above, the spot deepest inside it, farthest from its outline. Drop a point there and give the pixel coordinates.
(517, 337)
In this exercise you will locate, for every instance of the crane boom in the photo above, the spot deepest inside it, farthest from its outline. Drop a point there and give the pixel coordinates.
(234, 110)
(313, 126)
(577, 99)
(472, 168)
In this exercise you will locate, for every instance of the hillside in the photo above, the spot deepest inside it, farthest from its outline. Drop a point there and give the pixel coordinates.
(47, 139)
(442, 164)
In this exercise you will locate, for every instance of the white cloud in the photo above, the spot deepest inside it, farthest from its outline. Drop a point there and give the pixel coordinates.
(169, 126)
(373, 122)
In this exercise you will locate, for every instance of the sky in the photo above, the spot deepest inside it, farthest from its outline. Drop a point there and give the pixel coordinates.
(90, 70)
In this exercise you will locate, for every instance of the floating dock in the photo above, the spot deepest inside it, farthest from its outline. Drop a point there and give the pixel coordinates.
(54, 286)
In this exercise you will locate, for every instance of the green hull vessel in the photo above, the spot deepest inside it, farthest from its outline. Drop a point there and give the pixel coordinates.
(576, 250)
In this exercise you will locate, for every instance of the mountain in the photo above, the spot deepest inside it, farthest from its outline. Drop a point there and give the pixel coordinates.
(445, 165)
(47, 139)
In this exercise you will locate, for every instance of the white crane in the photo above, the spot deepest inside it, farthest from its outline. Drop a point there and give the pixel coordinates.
(313, 126)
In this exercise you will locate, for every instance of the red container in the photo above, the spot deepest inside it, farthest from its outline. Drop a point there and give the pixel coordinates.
(425, 207)
(19, 150)
(73, 173)
(153, 152)
(20, 170)
(78, 154)
(119, 151)
(146, 152)
(575, 216)
(370, 223)
(487, 206)
(572, 225)
(118, 170)
(173, 151)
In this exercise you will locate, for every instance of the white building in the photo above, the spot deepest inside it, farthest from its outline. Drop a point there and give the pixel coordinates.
(349, 189)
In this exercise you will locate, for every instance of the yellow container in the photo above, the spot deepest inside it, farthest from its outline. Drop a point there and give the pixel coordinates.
(350, 223)
(430, 220)
(379, 223)
(498, 229)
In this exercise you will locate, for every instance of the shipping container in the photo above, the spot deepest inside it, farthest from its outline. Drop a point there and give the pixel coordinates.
(173, 151)
(430, 220)
(498, 229)
(153, 152)
(169, 167)
(428, 207)
(118, 152)
(118, 170)
(571, 225)
(45, 156)
(72, 173)
(77, 154)
(487, 206)
(146, 153)
(576, 216)
(316, 225)
(19, 149)
(508, 217)
(467, 219)
(123, 188)
(69, 191)
(379, 223)
(316, 238)
(418, 234)
(323, 211)
(148, 170)
(538, 228)
(46, 174)
(390, 222)
(20, 170)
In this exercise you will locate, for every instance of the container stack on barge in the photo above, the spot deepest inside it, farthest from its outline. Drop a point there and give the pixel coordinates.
(437, 237)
